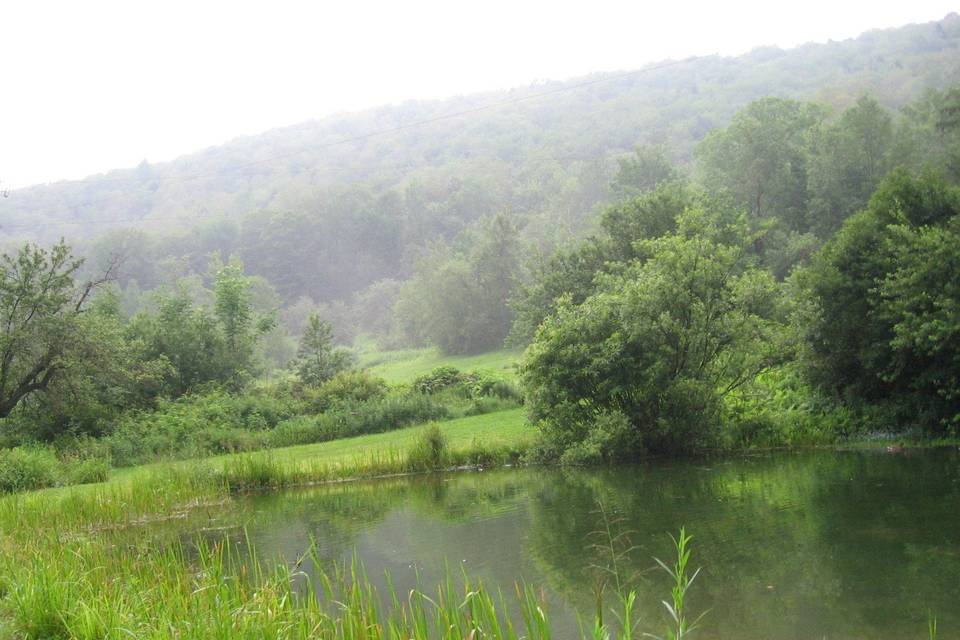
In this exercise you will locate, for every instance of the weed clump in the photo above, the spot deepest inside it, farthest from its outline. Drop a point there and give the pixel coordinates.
(430, 452)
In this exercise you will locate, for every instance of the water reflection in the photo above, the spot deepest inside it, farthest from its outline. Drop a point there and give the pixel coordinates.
(811, 545)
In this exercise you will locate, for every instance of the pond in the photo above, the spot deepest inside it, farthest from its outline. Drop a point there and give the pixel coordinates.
(815, 544)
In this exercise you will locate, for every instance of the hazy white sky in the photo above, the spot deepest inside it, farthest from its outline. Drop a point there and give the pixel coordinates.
(94, 85)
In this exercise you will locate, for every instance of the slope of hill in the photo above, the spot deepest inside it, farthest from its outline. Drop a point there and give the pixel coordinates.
(535, 156)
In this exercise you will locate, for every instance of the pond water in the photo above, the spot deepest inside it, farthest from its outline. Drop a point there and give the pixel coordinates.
(817, 544)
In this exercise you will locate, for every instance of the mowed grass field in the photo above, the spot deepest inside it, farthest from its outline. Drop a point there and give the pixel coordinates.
(403, 366)
(500, 428)
(503, 428)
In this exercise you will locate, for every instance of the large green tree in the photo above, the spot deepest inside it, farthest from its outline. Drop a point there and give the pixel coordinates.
(204, 343)
(573, 271)
(458, 300)
(882, 319)
(848, 159)
(643, 364)
(318, 359)
(761, 159)
(43, 338)
(646, 169)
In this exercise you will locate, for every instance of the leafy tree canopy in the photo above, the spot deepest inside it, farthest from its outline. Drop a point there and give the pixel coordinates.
(642, 364)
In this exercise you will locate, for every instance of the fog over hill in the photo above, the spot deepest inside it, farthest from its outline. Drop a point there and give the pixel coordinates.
(542, 150)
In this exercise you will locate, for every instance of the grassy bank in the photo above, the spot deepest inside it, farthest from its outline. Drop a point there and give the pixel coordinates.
(504, 429)
(157, 490)
(91, 589)
(72, 565)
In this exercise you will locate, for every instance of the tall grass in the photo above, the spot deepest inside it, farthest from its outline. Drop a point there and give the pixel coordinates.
(98, 588)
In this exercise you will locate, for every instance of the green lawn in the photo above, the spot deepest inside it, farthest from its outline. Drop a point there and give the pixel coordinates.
(500, 428)
(403, 366)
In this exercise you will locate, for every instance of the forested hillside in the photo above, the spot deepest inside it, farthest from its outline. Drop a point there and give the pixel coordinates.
(333, 215)
(548, 154)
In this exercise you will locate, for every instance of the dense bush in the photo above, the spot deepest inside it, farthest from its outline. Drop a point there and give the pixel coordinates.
(24, 468)
(348, 386)
(472, 385)
(780, 408)
(85, 470)
(359, 418)
(216, 422)
(437, 380)
(882, 305)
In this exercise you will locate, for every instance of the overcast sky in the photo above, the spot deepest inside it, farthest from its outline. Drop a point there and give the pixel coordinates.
(90, 86)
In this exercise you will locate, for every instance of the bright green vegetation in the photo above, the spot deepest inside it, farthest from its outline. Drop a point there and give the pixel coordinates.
(769, 271)
(501, 430)
(404, 366)
(507, 428)
(98, 590)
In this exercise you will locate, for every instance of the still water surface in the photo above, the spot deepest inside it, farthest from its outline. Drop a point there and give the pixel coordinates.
(819, 544)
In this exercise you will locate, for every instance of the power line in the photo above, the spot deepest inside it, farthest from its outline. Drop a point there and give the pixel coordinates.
(345, 141)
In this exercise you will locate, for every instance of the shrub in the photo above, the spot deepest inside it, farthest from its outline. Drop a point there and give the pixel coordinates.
(358, 418)
(780, 408)
(610, 438)
(437, 380)
(480, 406)
(299, 430)
(479, 384)
(86, 471)
(348, 386)
(196, 425)
(25, 468)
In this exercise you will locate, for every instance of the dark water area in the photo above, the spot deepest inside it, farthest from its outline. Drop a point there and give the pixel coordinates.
(816, 544)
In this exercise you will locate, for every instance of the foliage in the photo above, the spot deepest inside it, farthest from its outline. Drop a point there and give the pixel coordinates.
(458, 300)
(86, 470)
(659, 346)
(848, 159)
(573, 272)
(32, 467)
(202, 345)
(781, 408)
(352, 418)
(682, 580)
(644, 171)
(232, 307)
(317, 359)
(760, 159)
(25, 468)
(438, 379)
(346, 386)
(43, 339)
(197, 425)
(486, 392)
(881, 315)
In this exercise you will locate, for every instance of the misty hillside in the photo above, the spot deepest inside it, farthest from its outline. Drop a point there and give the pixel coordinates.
(545, 156)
